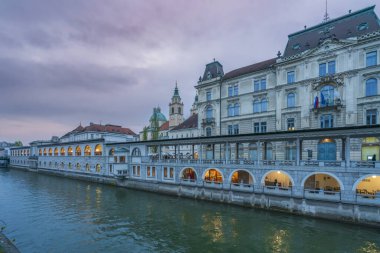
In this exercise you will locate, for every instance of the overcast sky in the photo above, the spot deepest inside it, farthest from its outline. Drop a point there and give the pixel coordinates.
(63, 62)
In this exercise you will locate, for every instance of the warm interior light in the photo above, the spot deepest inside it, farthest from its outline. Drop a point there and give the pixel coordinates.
(373, 176)
(278, 172)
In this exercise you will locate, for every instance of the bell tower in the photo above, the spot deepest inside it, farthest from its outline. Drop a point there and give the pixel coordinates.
(175, 109)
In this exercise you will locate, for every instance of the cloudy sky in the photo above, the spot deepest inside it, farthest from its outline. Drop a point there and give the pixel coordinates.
(72, 61)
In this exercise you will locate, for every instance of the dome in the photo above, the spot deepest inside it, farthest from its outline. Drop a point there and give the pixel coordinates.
(157, 114)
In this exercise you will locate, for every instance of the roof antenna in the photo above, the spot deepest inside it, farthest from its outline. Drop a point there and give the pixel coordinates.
(326, 16)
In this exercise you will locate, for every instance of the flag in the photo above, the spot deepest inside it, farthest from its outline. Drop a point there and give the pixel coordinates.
(316, 102)
(323, 101)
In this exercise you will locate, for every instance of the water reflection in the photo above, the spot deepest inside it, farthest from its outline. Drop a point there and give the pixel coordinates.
(212, 225)
(369, 247)
(280, 241)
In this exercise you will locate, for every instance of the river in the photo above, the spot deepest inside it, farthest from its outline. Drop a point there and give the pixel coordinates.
(51, 214)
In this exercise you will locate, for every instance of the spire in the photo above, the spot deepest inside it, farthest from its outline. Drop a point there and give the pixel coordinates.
(326, 16)
(176, 92)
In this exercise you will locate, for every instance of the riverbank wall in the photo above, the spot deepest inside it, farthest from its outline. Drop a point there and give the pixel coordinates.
(6, 245)
(364, 214)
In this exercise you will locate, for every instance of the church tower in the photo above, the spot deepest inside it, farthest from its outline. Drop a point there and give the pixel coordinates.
(175, 109)
(194, 108)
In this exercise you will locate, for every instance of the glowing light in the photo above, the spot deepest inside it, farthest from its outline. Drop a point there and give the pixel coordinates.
(373, 176)
(278, 172)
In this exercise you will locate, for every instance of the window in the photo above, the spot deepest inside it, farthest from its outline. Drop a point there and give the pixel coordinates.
(78, 151)
(256, 106)
(39, 152)
(168, 173)
(236, 109)
(63, 151)
(50, 152)
(208, 95)
(291, 100)
(259, 85)
(78, 166)
(208, 131)
(70, 151)
(172, 110)
(179, 110)
(327, 68)
(98, 168)
(236, 90)
(209, 112)
(264, 105)
(290, 124)
(98, 150)
(136, 170)
(151, 171)
(121, 159)
(371, 58)
(371, 116)
(233, 90)
(136, 152)
(230, 110)
(291, 77)
(70, 166)
(371, 87)
(327, 96)
(87, 150)
(230, 91)
(230, 129)
(263, 127)
(327, 121)
(236, 129)
(88, 167)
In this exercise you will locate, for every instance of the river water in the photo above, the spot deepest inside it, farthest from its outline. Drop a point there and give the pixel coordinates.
(52, 214)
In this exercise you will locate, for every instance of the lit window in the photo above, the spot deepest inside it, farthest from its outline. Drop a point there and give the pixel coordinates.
(371, 58)
(290, 124)
(98, 150)
(371, 116)
(87, 151)
(371, 87)
(291, 77)
(78, 151)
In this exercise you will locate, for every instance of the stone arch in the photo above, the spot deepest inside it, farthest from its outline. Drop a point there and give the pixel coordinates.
(213, 174)
(136, 152)
(340, 183)
(360, 180)
(87, 150)
(98, 150)
(251, 178)
(63, 151)
(78, 151)
(290, 178)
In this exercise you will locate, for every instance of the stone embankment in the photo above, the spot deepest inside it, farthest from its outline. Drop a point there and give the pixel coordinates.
(6, 246)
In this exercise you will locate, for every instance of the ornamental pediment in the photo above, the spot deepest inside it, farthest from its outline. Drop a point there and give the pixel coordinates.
(327, 48)
(334, 80)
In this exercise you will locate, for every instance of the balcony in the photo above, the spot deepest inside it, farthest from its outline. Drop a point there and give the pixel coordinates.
(329, 105)
(208, 122)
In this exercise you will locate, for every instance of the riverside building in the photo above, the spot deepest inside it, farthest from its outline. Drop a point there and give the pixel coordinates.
(299, 132)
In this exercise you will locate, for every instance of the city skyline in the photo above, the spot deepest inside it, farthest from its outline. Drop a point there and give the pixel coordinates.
(67, 62)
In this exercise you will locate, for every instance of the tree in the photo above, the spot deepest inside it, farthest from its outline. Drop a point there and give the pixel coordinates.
(145, 134)
(18, 144)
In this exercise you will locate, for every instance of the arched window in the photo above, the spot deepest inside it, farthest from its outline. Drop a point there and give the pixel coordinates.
(291, 100)
(209, 112)
(136, 152)
(78, 166)
(98, 149)
(179, 110)
(70, 166)
(70, 151)
(327, 96)
(264, 105)
(45, 153)
(87, 150)
(56, 152)
(50, 151)
(98, 168)
(63, 152)
(40, 152)
(78, 151)
(230, 110)
(87, 167)
(256, 106)
(236, 109)
(112, 152)
(371, 87)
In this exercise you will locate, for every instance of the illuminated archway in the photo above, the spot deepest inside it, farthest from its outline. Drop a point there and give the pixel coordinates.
(78, 151)
(87, 150)
(322, 181)
(368, 185)
(213, 175)
(98, 150)
(50, 151)
(189, 174)
(56, 152)
(98, 168)
(241, 177)
(40, 152)
(63, 151)
(277, 178)
(45, 152)
(70, 151)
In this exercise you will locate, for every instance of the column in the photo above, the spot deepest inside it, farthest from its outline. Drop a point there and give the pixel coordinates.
(200, 152)
(298, 151)
(258, 152)
(347, 151)
(227, 152)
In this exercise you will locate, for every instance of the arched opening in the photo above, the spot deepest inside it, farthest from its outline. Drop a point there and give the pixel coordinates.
(111, 152)
(70, 166)
(368, 188)
(50, 151)
(327, 96)
(78, 166)
(189, 174)
(50, 164)
(40, 152)
(370, 149)
(98, 168)
(70, 151)
(322, 182)
(278, 179)
(56, 165)
(213, 175)
(327, 150)
(87, 167)
(62, 165)
(56, 152)
(98, 150)
(252, 151)
(87, 150)
(78, 151)
(136, 152)
(241, 177)
(63, 151)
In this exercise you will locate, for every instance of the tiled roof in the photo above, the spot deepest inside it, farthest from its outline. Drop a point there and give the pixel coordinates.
(214, 68)
(101, 128)
(191, 122)
(250, 69)
(164, 126)
(351, 25)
